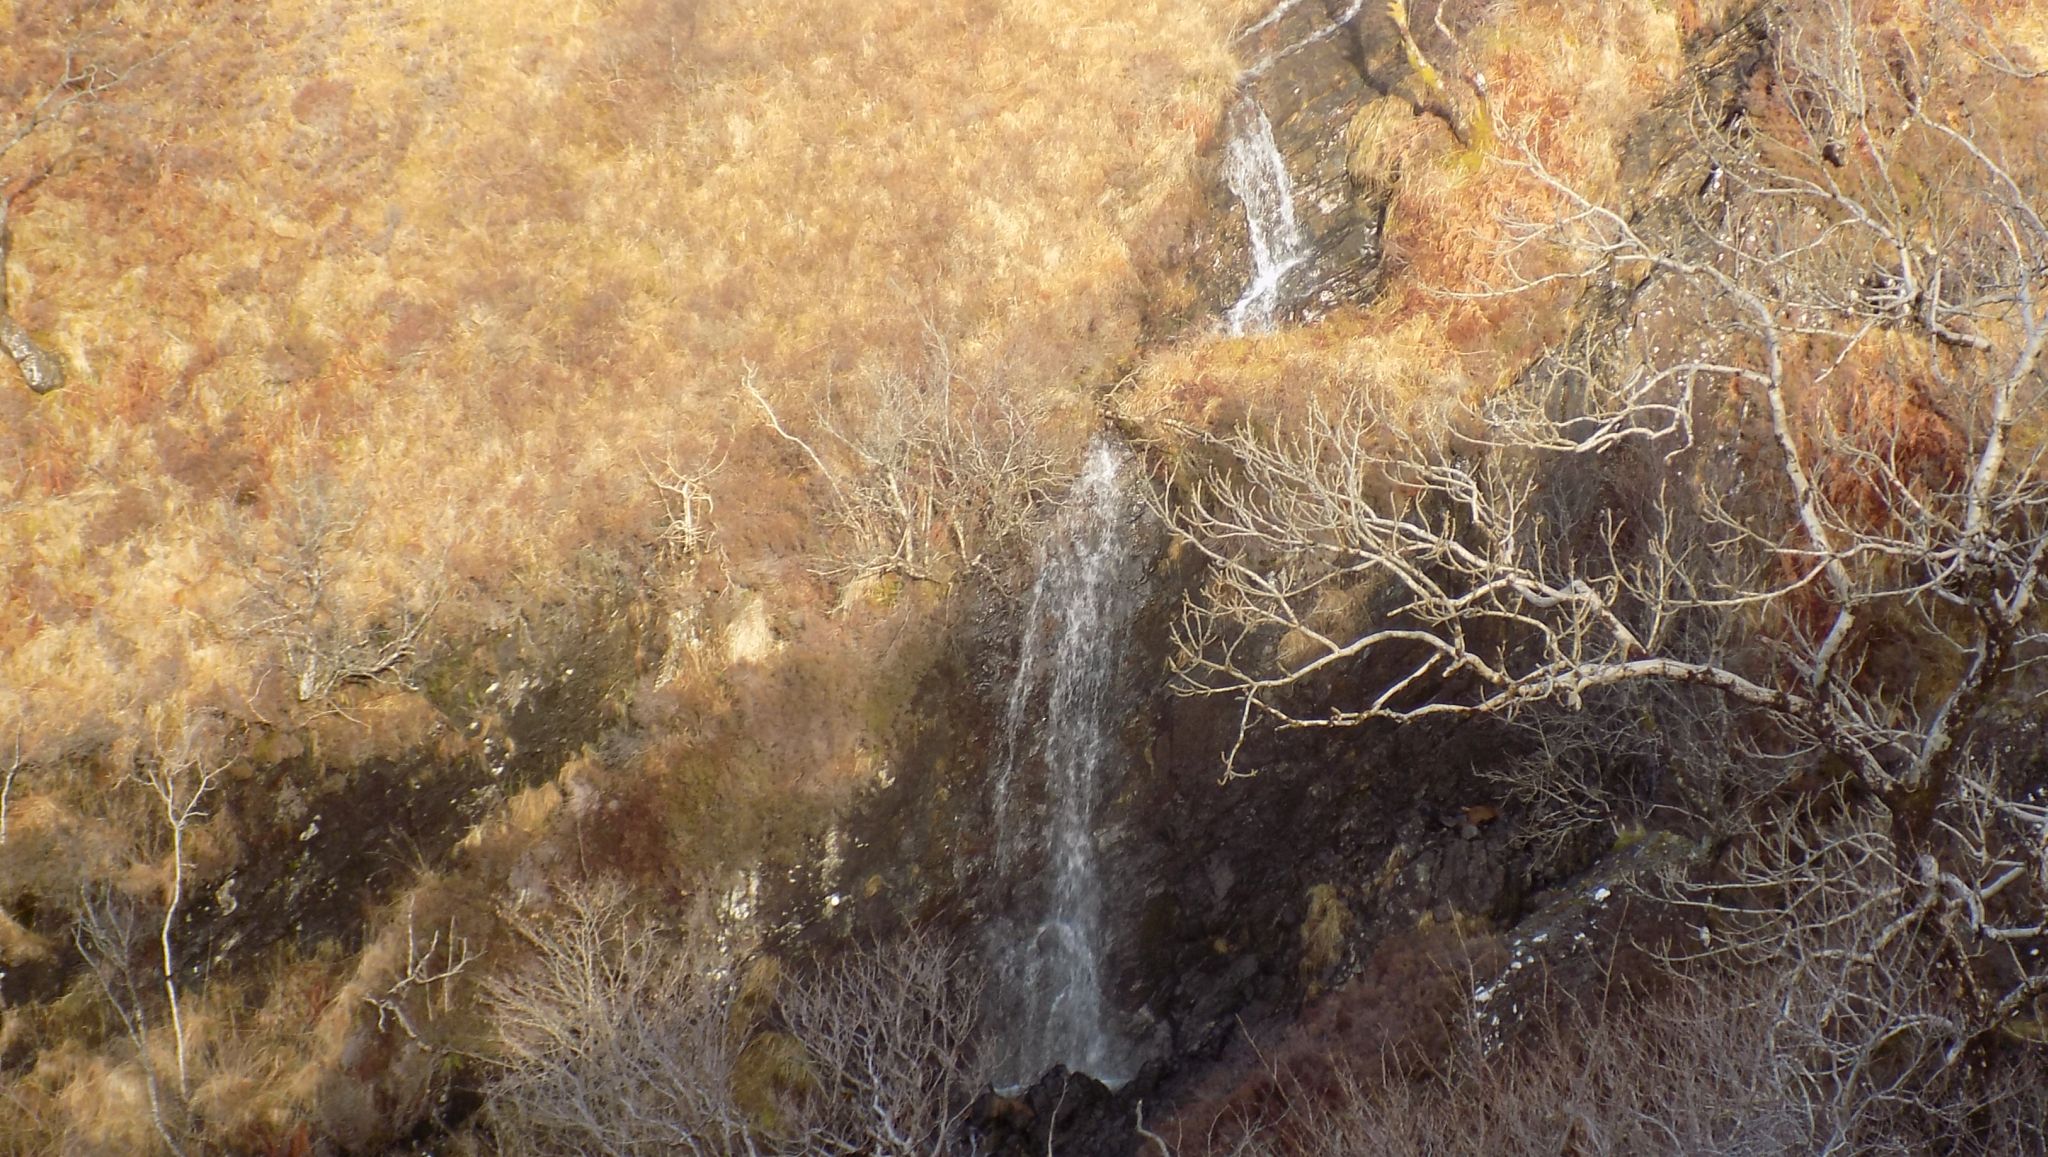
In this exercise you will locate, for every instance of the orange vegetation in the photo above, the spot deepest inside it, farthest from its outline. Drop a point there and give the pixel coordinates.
(462, 269)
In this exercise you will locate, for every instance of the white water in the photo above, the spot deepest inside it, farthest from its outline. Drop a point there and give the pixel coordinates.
(1050, 956)
(1266, 21)
(1321, 34)
(1258, 175)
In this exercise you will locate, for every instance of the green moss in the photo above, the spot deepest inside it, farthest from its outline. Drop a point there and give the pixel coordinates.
(772, 1071)
(1628, 837)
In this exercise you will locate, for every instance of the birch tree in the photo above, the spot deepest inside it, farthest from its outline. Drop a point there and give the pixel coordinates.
(1797, 467)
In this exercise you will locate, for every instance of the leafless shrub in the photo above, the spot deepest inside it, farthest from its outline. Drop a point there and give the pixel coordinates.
(424, 985)
(614, 1036)
(891, 1033)
(1716, 1065)
(303, 599)
(926, 475)
(1574, 784)
(624, 1037)
(687, 505)
(110, 932)
(1914, 961)
(1634, 757)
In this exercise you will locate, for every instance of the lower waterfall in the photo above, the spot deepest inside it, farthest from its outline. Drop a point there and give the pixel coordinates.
(1063, 723)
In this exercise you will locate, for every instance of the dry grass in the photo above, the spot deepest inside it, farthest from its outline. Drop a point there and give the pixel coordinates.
(462, 268)
(450, 276)
(403, 295)
(1567, 86)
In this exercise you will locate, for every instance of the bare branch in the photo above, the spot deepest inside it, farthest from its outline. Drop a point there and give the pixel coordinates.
(429, 970)
(927, 475)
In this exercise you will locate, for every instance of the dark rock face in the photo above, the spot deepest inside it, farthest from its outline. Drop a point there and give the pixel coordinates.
(1230, 903)
(337, 848)
(1312, 70)
(1255, 893)
(1065, 1113)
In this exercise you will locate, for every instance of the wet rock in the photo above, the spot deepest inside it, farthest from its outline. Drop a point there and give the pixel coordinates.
(1591, 939)
(1312, 71)
(1071, 1114)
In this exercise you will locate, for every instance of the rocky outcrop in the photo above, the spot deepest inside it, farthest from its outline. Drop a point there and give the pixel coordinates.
(1230, 903)
(1314, 67)
(326, 840)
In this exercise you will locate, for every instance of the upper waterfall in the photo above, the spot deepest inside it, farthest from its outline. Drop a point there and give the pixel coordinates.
(1258, 175)
(1312, 244)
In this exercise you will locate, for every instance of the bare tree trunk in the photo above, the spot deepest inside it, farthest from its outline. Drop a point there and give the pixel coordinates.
(181, 775)
(39, 367)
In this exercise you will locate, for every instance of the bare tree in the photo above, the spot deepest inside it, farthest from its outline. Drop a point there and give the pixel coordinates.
(1799, 472)
(300, 599)
(40, 368)
(1927, 516)
(177, 777)
(925, 474)
(1469, 119)
(1848, 519)
(78, 83)
(624, 1037)
(183, 772)
(1911, 966)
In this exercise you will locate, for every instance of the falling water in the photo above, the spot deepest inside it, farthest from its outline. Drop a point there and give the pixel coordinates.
(1258, 175)
(1050, 958)
(1323, 32)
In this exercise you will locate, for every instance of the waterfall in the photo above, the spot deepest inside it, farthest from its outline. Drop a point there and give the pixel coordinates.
(1258, 175)
(1322, 33)
(1050, 952)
